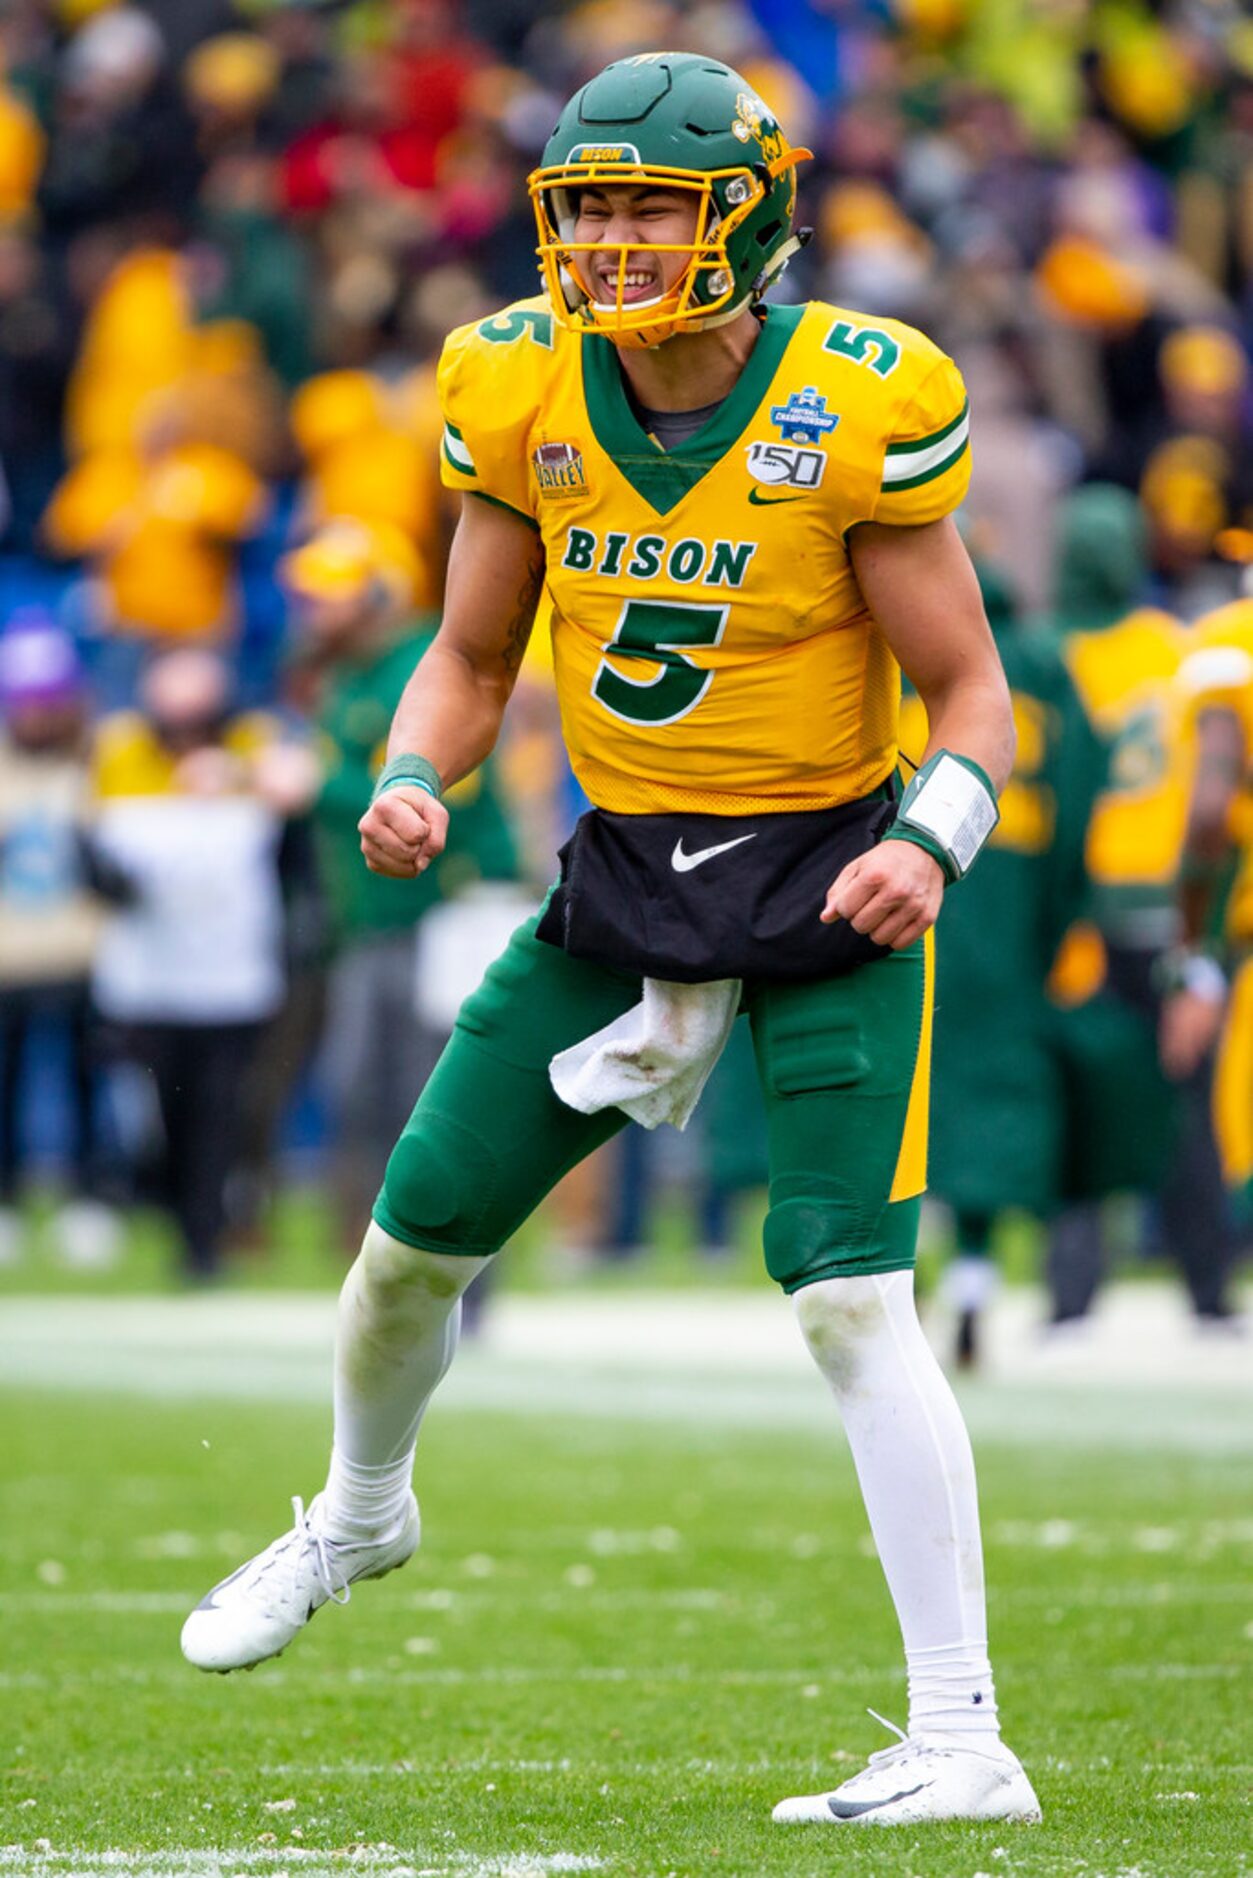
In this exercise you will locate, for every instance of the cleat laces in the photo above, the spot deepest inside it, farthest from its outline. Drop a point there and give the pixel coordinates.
(899, 1748)
(289, 1551)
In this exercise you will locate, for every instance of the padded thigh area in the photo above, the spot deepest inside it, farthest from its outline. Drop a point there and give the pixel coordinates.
(488, 1138)
(837, 1062)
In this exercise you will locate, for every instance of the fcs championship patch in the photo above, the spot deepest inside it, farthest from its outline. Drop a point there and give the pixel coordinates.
(804, 418)
(559, 471)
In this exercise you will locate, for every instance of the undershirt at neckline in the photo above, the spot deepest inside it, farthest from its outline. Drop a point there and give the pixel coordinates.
(671, 428)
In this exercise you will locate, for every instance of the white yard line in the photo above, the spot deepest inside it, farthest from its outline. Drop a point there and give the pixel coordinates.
(682, 1357)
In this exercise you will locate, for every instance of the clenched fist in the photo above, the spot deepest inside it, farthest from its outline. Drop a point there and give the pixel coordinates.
(893, 894)
(403, 832)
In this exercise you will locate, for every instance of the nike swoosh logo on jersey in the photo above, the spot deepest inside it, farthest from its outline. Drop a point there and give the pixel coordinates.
(769, 502)
(854, 1809)
(684, 863)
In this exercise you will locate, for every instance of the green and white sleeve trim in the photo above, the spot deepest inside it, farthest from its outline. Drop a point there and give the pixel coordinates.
(456, 452)
(908, 465)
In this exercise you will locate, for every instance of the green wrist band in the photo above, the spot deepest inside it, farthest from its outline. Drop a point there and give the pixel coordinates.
(918, 839)
(407, 772)
(949, 809)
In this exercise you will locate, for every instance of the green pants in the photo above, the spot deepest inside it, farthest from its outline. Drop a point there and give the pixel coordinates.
(838, 1060)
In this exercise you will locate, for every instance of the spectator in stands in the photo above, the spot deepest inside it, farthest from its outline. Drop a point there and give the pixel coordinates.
(122, 143)
(36, 353)
(51, 911)
(352, 589)
(366, 458)
(191, 800)
(163, 495)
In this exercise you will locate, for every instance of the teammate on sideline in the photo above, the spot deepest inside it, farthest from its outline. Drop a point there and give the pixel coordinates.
(743, 517)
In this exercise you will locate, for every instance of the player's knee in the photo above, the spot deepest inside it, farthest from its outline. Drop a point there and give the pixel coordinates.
(393, 1273)
(839, 1317)
(805, 1238)
(440, 1186)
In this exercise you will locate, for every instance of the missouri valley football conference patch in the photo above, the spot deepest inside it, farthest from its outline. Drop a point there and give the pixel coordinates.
(559, 471)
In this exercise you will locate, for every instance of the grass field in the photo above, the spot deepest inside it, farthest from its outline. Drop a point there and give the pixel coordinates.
(645, 1609)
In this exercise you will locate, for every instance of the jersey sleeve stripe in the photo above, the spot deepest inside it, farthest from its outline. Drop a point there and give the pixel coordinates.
(936, 436)
(911, 472)
(456, 452)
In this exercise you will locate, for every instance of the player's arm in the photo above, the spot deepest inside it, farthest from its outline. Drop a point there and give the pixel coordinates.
(1221, 765)
(450, 712)
(922, 591)
(1195, 992)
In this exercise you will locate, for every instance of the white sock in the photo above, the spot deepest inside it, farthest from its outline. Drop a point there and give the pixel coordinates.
(396, 1334)
(913, 1460)
(950, 1690)
(364, 1504)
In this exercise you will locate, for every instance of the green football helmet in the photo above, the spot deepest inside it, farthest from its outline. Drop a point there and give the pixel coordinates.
(673, 121)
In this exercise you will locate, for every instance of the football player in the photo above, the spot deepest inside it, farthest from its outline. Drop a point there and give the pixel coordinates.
(742, 514)
(1215, 683)
(1133, 1043)
(996, 944)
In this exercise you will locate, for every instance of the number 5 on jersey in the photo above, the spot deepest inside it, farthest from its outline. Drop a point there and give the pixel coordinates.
(655, 631)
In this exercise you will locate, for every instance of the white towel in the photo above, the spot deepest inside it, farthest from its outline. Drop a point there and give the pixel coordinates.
(654, 1060)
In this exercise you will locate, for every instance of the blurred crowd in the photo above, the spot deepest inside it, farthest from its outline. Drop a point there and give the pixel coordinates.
(232, 239)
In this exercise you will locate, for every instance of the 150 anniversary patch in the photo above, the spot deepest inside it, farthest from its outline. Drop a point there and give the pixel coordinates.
(789, 465)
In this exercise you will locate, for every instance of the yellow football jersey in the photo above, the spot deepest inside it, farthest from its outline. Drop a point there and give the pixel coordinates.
(1125, 677)
(1211, 678)
(712, 649)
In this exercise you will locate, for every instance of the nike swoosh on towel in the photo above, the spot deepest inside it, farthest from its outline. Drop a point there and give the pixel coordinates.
(683, 863)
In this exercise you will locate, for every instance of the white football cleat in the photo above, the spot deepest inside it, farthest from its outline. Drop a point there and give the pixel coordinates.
(924, 1778)
(257, 1611)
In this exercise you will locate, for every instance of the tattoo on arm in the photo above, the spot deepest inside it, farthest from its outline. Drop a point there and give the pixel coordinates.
(522, 619)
